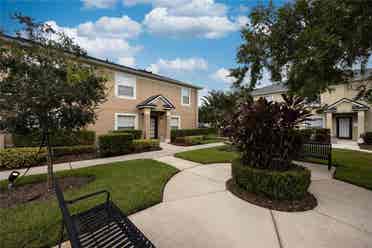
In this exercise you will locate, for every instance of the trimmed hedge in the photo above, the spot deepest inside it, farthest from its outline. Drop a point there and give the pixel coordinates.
(73, 150)
(115, 144)
(321, 135)
(137, 134)
(175, 133)
(141, 145)
(58, 138)
(190, 140)
(13, 158)
(276, 185)
(367, 138)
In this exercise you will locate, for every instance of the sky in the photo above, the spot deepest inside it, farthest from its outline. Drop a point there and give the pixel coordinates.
(190, 40)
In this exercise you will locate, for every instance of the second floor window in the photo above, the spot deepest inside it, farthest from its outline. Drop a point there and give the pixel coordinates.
(185, 95)
(125, 86)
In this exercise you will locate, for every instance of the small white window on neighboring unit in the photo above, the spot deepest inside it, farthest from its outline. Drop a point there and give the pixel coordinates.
(175, 122)
(125, 86)
(185, 96)
(125, 121)
(269, 98)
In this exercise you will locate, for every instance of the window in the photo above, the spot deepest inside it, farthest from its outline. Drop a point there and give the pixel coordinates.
(314, 123)
(269, 98)
(175, 122)
(125, 121)
(185, 95)
(125, 86)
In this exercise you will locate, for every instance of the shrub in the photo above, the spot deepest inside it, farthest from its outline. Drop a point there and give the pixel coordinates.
(367, 138)
(320, 135)
(175, 133)
(265, 132)
(291, 184)
(137, 134)
(114, 144)
(190, 140)
(60, 151)
(58, 138)
(141, 145)
(13, 158)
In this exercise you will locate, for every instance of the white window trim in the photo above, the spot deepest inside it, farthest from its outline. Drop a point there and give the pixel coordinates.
(126, 114)
(179, 120)
(132, 83)
(185, 104)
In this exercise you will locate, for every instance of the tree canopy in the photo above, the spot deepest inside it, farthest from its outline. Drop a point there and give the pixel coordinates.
(307, 44)
(43, 84)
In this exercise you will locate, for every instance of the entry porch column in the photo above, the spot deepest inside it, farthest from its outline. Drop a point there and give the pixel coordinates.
(2, 140)
(146, 123)
(329, 123)
(167, 126)
(361, 123)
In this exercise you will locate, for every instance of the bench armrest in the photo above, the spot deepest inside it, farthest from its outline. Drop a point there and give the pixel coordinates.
(90, 195)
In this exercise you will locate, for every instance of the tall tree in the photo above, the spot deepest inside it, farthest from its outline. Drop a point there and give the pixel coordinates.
(307, 44)
(44, 85)
(216, 106)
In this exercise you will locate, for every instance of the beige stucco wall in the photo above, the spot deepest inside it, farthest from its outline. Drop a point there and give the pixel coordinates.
(145, 88)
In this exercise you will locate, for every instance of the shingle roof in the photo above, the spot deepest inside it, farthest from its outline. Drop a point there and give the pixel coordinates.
(367, 74)
(115, 66)
(281, 88)
(274, 88)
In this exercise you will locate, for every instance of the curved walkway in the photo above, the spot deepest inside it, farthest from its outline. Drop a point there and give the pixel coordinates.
(197, 211)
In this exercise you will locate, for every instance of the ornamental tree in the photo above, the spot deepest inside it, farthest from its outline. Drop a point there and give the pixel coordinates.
(265, 132)
(44, 85)
(308, 45)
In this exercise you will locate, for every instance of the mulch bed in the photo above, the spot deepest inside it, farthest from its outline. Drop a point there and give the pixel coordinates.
(37, 191)
(307, 203)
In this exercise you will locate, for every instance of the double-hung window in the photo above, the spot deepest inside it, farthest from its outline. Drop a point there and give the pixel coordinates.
(185, 96)
(175, 122)
(125, 121)
(125, 86)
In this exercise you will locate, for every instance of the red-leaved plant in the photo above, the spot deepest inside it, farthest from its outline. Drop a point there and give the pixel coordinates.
(266, 133)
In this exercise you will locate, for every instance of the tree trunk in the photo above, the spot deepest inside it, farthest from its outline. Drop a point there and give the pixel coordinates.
(50, 162)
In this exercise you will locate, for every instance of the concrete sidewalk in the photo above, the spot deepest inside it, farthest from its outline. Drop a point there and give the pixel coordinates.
(167, 150)
(197, 211)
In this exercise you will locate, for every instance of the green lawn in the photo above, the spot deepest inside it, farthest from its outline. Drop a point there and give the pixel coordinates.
(352, 166)
(220, 154)
(134, 185)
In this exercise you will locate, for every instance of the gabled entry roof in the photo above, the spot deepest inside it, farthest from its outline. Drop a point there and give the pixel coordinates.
(355, 106)
(151, 102)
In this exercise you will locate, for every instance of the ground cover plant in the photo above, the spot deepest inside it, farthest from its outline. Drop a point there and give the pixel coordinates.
(134, 185)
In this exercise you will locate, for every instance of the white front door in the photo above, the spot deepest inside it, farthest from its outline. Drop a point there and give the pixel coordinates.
(344, 128)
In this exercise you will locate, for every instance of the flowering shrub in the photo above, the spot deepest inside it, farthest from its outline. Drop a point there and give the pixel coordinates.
(266, 132)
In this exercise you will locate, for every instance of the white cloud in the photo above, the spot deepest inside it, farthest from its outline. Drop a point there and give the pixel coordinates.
(101, 47)
(101, 4)
(160, 22)
(127, 61)
(185, 7)
(114, 27)
(178, 64)
(222, 75)
(188, 18)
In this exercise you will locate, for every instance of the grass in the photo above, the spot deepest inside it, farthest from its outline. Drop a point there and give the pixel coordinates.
(352, 166)
(134, 185)
(212, 138)
(220, 154)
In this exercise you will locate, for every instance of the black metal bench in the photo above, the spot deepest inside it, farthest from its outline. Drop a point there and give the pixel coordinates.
(321, 151)
(104, 225)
